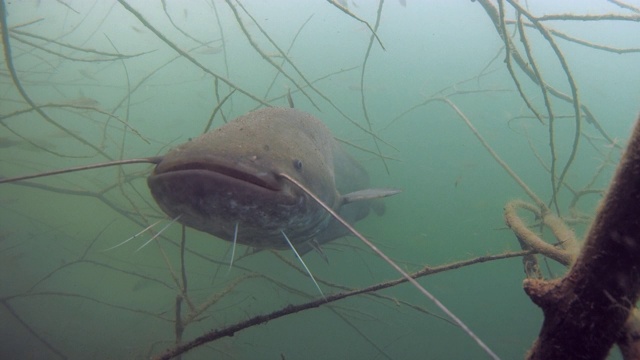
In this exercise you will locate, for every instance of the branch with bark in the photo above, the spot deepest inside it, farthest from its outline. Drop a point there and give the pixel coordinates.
(593, 305)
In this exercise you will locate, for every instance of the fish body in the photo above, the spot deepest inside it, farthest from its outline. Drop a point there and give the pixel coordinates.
(230, 177)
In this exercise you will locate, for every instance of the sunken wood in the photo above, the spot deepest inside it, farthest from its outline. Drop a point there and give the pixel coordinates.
(585, 311)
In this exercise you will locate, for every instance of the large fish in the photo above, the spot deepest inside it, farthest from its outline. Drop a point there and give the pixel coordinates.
(267, 179)
(227, 182)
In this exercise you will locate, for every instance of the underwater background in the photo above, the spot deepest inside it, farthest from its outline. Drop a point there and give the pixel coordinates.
(128, 79)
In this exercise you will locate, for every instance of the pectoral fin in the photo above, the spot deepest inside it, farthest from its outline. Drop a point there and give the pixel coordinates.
(316, 246)
(368, 194)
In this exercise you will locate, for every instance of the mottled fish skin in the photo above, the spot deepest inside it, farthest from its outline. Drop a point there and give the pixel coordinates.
(230, 175)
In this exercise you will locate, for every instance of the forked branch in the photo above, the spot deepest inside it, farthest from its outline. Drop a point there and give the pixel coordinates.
(585, 311)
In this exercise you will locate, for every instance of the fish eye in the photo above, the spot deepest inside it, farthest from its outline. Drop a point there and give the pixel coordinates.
(297, 164)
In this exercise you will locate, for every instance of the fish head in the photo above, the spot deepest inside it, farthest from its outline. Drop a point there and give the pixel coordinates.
(231, 176)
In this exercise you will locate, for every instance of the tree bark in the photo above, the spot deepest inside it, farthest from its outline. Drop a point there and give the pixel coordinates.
(585, 311)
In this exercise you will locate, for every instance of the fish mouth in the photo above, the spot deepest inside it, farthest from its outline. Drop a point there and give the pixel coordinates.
(220, 168)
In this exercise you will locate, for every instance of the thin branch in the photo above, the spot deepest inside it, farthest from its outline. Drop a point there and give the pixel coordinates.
(292, 309)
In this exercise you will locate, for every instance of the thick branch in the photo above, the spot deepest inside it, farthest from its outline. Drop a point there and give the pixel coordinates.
(586, 310)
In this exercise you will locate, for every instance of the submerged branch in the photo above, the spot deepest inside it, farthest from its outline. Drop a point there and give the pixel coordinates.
(292, 309)
(8, 57)
(184, 54)
(346, 11)
(585, 311)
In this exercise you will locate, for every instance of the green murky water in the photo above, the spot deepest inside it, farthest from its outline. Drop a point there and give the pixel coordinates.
(92, 67)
